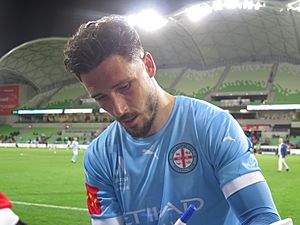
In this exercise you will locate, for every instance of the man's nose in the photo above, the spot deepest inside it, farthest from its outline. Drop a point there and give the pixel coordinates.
(119, 105)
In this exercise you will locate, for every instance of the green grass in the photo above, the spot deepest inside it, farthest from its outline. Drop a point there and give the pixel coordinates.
(284, 185)
(43, 177)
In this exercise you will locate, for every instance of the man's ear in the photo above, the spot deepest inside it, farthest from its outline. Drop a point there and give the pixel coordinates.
(149, 64)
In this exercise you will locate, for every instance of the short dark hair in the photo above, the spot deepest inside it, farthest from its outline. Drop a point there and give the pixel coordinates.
(97, 40)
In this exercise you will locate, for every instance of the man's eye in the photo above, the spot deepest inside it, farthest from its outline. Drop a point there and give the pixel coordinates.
(100, 98)
(124, 86)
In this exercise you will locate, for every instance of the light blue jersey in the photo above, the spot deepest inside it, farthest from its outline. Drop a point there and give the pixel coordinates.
(200, 156)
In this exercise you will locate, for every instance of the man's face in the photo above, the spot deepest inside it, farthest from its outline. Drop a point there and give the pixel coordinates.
(126, 91)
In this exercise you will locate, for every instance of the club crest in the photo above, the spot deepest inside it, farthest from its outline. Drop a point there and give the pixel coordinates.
(183, 158)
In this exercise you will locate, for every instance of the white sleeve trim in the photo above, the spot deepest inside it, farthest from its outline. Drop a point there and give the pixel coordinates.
(241, 182)
(109, 221)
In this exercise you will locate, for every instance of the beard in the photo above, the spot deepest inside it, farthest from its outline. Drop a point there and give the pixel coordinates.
(142, 129)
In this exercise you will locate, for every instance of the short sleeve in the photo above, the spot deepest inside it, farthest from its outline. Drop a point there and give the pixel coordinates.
(101, 197)
(228, 149)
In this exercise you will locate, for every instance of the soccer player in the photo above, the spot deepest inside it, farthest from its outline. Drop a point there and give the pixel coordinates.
(75, 148)
(162, 152)
(281, 152)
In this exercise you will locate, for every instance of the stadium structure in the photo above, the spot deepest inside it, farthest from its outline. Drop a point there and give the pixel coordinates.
(244, 58)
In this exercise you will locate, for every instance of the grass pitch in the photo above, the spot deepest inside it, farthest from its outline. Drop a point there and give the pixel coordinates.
(54, 189)
(44, 176)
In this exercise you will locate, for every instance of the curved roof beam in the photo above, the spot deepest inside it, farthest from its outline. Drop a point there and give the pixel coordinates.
(9, 75)
(176, 22)
(296, 31)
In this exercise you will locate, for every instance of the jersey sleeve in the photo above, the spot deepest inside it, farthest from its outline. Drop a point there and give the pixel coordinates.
(228, 149)
(238, 172)
(254, 205)
(101, 197)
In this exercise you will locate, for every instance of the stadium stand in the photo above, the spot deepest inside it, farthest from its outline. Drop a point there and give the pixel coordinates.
(57, 133)
(246, 77)
(38, 100)
(67, 97)
(199, 83)
(286, 84)
(166, 78)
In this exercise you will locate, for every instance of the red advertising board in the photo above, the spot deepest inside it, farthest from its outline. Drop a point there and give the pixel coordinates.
(9, 98)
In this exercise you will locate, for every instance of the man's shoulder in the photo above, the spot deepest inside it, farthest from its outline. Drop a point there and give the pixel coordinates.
(102, 145)
(200, 108)
(108, 133)
(185, 101)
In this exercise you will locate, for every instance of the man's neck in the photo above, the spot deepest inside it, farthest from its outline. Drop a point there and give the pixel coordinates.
(165, 108)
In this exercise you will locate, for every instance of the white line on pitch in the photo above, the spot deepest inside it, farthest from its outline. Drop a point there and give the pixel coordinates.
(49, 206)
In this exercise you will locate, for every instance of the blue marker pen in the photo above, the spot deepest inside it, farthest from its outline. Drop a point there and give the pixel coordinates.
(186, 215)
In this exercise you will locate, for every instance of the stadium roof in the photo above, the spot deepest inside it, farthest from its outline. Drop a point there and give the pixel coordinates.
(223, 37)
(37, 63)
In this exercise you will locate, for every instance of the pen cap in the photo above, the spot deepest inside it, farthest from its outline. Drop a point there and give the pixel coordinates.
(188, 213)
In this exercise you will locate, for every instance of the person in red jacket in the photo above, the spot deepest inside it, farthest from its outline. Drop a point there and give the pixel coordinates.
(7, 216)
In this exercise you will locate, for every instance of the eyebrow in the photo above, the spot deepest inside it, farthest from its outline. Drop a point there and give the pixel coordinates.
(118, 84)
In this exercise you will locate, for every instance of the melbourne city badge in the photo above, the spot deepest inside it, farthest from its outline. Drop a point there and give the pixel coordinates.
(183, 158)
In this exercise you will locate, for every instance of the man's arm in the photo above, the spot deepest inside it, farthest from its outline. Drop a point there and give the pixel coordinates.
(253, 204)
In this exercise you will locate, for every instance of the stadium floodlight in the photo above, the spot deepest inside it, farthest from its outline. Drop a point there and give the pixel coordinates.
(258, 5)
(237, 4)
(197, 12)
(148, 20)
(248, 4)
(217, 5)
(232, 4)
(295, 5)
